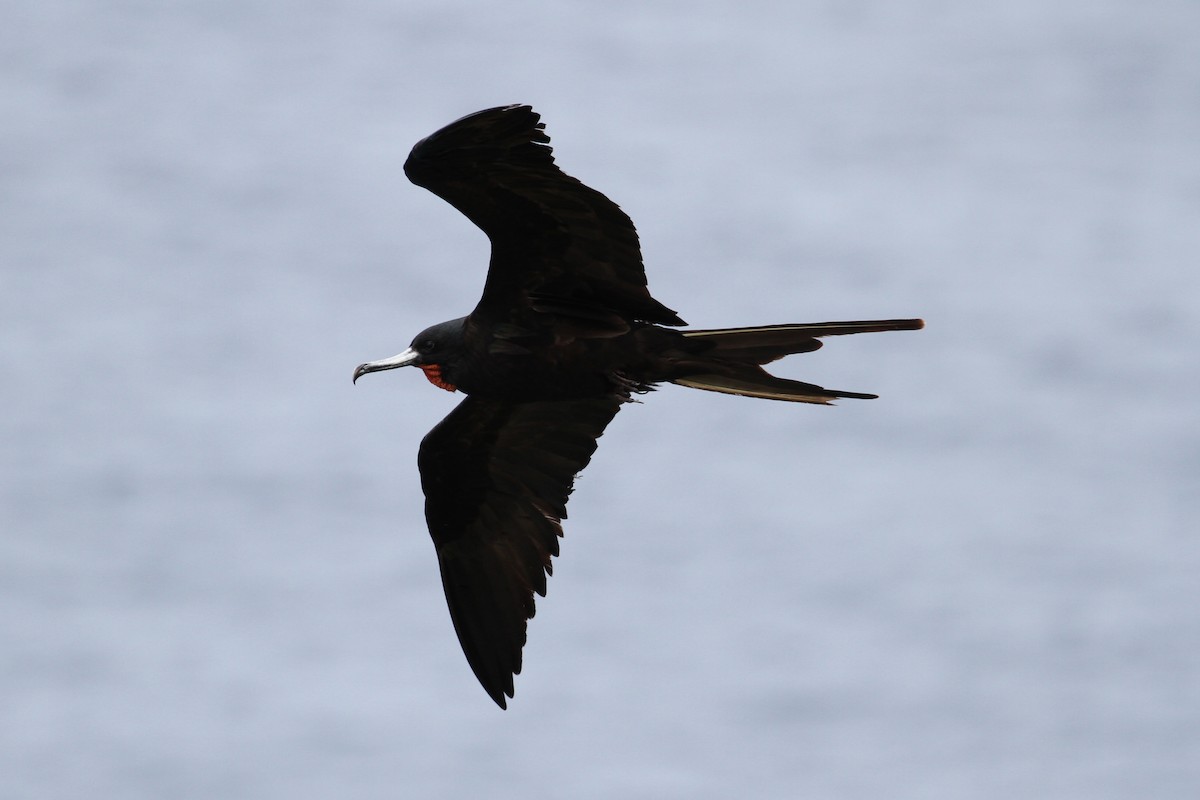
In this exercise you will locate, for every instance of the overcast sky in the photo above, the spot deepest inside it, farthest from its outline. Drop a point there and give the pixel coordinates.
(215, 579)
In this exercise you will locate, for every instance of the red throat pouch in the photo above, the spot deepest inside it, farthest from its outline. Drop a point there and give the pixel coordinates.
(434, 373)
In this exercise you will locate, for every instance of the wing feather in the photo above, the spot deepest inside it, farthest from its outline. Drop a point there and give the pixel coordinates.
(496, 476)
(551, 235)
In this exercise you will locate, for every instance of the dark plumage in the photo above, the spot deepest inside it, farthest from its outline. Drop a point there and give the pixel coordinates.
(565, 332)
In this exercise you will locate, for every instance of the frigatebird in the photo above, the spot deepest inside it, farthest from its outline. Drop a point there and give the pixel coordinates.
(566, 332)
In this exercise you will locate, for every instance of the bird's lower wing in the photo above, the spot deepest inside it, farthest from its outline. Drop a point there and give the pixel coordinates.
(496, 476)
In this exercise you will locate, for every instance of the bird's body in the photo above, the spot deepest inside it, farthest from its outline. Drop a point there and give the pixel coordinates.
(565, 333)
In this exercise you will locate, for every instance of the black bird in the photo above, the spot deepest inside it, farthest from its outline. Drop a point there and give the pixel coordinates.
(565, 333)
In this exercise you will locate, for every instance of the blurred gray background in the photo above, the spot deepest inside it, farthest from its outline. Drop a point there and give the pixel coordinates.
(215, 579)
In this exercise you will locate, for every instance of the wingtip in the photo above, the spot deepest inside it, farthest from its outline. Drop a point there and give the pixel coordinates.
(500, 694)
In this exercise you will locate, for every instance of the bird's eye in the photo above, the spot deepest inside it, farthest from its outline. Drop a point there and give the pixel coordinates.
(427, 345)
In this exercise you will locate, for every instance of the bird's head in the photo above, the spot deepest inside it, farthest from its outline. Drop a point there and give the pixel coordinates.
(433, 349)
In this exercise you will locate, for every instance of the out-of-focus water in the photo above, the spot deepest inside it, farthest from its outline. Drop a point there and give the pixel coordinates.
(214, 575)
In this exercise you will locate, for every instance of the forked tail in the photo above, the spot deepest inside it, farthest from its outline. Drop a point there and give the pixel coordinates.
(731, 362)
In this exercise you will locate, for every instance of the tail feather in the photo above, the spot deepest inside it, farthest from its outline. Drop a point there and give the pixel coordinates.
(771, 342)
(768, 387)
(732, 362)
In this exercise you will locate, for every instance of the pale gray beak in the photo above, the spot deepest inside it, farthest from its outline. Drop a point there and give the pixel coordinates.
(408, 357)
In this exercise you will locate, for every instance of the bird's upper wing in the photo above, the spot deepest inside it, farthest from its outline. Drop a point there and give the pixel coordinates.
(496, 476)
(558, 246)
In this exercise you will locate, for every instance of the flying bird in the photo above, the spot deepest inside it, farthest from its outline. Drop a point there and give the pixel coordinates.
(566, 332)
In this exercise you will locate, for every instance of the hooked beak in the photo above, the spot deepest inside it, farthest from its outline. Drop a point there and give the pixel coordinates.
(407, 358)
